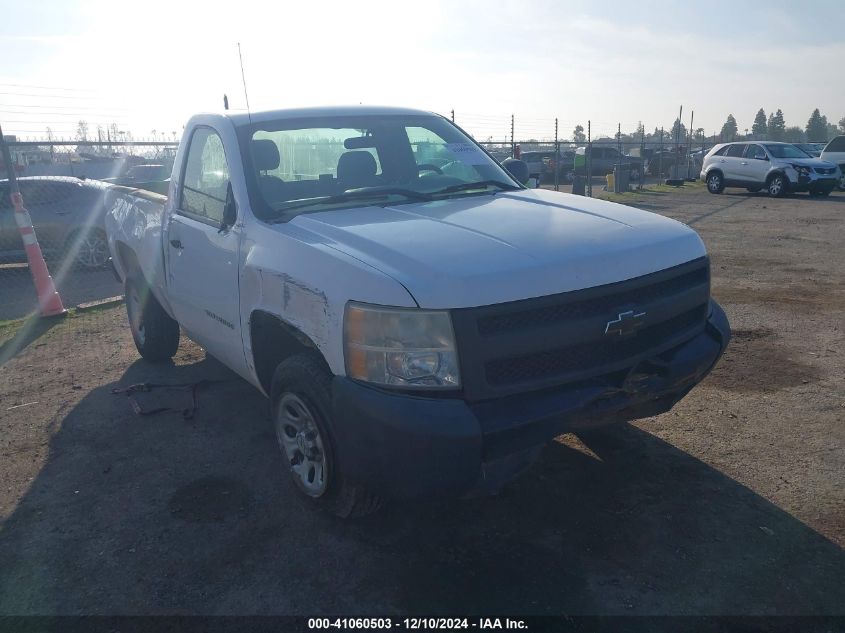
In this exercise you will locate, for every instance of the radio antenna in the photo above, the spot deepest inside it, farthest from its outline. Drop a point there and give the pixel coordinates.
(243, 79)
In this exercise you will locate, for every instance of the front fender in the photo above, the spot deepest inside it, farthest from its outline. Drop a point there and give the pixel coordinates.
(307, 283)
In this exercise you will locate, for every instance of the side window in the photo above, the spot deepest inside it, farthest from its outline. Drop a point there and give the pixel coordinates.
(756, 152)
(206, 177)
(736, 150)
(721, 151)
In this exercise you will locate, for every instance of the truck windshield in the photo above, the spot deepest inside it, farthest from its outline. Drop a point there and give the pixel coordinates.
(294, 165)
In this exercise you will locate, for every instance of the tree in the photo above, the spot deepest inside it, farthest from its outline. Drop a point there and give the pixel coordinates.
(832, 131)
(578, 134)
(776, 126)
(816, 127)
(793, 134)
(82, 130)
(679, 131)
(760, 128)
(842, 125)
(729, 129)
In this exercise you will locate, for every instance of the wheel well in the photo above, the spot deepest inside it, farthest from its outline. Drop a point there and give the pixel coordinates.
(714, 171)
(773, 174)
(273, 341)
(127, 259)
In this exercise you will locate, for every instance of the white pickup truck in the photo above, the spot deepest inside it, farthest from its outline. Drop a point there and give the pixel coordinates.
(420, 321)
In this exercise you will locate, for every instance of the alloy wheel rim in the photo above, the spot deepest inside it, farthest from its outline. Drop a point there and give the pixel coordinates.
(93, 252)
(714, 183)
(300, 440)
(775, 186)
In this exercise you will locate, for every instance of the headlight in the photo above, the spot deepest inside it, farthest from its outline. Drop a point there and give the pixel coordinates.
(402, 347)
(801, 169)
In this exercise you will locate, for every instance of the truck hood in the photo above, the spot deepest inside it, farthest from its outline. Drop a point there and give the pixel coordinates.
(480, 250)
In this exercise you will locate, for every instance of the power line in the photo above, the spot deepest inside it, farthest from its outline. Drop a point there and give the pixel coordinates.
(57, 107)
(42, 96)
(47, 87)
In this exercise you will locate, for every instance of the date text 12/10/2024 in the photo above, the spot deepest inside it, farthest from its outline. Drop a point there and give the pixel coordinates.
(413, 624)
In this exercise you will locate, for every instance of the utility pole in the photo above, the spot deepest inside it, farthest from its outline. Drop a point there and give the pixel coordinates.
(453, 115)
(589, 164)
(557, 159)
(513, 147)
(689, 145)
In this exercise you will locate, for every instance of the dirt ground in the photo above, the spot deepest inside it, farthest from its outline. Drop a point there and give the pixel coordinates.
(732, 503)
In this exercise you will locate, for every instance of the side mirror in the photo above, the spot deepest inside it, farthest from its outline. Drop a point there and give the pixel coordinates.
(230, 210)
(517, 168)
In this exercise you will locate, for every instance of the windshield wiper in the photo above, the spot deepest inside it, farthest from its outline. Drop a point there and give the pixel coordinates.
(358, 194)
(467, 186)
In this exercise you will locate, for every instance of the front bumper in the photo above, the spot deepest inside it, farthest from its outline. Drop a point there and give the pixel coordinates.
(404, 446)
(812, 181)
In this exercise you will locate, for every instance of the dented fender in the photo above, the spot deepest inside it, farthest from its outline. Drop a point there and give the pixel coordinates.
(306, 283)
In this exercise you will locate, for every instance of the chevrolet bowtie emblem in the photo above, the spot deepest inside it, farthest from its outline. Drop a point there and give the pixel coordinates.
(625, 324)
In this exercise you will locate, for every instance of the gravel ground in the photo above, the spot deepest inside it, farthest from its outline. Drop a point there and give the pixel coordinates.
(732, 503)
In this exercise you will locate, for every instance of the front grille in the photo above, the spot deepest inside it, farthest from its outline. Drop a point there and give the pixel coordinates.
(825, 170)
(555, 362)
(600, 305)
(547, 341)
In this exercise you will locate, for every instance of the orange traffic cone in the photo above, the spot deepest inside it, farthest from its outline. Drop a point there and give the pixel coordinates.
(49, 301)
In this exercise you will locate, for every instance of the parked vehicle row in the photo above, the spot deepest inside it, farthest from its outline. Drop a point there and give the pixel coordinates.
(779, 168)
(67, 214)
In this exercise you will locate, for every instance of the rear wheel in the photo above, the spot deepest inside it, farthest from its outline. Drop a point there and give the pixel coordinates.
(155, 333)
(302, 405)
(715, 182)
(776, 186)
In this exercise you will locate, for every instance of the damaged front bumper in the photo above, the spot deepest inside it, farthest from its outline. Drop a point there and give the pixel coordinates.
(402, 445)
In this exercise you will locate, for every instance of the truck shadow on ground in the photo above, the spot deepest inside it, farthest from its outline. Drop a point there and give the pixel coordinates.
(135, 515)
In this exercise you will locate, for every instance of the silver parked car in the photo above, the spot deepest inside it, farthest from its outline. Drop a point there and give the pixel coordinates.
(67, 214)
(779, 168)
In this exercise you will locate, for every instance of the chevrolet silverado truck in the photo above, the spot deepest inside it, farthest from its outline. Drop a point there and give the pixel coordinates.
(421, 323)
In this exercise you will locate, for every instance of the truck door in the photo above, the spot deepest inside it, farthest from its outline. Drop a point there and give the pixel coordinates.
(202, 258)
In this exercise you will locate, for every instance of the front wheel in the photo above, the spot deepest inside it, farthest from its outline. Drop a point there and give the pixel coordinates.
(715, 183)
(302, 406)
(155, 333)
(776, 186)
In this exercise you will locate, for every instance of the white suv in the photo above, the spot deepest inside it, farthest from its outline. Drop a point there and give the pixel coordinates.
(834, 152)
(780, 168)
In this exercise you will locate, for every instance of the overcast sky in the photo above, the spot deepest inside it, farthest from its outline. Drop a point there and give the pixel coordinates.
(150, 65)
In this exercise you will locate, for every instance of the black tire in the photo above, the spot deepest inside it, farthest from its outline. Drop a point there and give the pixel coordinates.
(155, 333)
(715, 182)
(754, 189)
(305, 380)
(777, 186)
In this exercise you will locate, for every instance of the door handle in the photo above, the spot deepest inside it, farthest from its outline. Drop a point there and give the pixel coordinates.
(176, 244)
